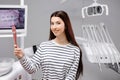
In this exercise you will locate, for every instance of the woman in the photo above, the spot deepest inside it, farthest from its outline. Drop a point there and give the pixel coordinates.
(60, 57)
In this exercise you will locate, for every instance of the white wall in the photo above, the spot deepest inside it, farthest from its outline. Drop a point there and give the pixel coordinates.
(38, 29)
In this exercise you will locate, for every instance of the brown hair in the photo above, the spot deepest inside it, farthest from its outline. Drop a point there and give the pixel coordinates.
(70, 36)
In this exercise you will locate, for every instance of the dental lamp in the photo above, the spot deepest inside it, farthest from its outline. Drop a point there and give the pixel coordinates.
(94, 9)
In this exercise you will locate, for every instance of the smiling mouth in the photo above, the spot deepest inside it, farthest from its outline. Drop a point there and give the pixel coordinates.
(56, 30)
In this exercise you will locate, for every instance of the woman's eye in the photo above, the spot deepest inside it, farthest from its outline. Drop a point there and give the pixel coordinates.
(58, 22)
(52, 23)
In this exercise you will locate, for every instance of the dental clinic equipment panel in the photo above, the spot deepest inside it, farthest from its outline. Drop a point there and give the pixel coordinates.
(14, 15)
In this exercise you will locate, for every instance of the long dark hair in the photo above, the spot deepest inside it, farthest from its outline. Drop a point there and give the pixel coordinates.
(70, 36)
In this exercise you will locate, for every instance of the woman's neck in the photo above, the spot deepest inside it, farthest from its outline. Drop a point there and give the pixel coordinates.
(61, 41)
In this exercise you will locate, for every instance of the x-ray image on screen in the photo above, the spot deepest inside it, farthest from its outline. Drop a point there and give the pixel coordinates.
(12, 16)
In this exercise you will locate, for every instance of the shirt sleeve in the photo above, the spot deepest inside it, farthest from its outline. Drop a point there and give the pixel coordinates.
(73, 69)
(32, 64)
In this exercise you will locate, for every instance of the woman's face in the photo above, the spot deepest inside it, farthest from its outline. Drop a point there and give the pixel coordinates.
(57, 26)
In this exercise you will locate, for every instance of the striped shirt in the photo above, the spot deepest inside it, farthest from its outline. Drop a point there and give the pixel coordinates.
(58, 62)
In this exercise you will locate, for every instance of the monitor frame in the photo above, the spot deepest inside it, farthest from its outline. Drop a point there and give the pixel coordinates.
(20, 32)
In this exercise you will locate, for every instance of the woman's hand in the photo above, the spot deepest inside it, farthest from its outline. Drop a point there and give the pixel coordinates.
(18, 52)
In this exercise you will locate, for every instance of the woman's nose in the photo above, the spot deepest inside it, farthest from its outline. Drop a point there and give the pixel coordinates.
(54, 26)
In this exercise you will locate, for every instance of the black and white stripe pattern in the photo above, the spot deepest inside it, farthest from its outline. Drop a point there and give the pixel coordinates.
(58, 62)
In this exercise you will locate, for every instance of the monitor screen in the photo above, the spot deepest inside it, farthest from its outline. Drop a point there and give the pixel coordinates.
(13, 15)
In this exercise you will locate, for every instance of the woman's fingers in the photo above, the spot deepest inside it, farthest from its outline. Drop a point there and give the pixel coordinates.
(15, 46)
(18, 51)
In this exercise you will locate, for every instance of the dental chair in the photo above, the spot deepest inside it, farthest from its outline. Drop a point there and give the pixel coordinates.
(18, 72)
